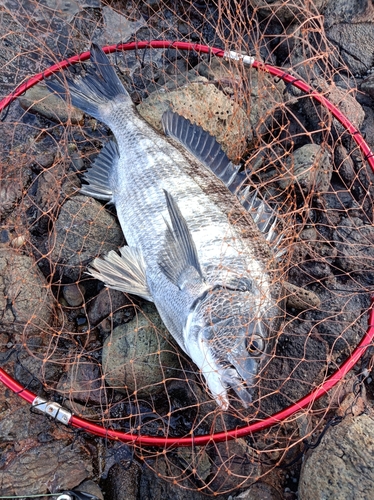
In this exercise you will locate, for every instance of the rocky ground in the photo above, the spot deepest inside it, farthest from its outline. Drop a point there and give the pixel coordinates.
(107, 356)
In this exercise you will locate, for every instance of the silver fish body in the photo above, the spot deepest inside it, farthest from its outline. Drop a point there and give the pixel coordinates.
(192, 247)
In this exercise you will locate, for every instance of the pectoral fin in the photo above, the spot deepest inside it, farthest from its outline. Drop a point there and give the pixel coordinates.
(97, 176)
(179, 260)
(125, 272)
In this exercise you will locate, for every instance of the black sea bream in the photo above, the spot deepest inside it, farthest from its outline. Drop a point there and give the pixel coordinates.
(193, 249)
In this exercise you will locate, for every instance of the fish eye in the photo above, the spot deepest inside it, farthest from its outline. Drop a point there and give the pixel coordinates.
(256, 345)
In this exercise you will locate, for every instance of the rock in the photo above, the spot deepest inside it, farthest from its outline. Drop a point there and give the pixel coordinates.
(341, 467)
(73, 294)
(123, 482)
(344, 164)
(110, 303)
(308, 168)
(41, 101)
(237, 457)
(355, 43)
(25, 298)
(83, 230)
(354, 242)
(35, 468)
(344, 100)
(13, 180)
(347, 12)
(118, 27)
(259, 491)
(300, 298)
(137, 358)
(368, 86)
(83, 382)
(90, 487)
(206, 106)
(288, 10)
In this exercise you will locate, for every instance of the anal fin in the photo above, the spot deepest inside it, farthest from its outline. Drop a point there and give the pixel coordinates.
(97, 176)
(125, 272)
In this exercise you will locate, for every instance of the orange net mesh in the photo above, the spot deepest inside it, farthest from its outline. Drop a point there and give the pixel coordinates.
(107, 356)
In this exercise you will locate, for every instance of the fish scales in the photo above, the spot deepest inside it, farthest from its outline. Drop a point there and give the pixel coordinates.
(206, 265)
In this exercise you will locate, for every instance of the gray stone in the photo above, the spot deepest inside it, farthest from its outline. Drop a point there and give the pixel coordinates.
(347, 12)
(40, 100)
(341, 467)
(83, 230)
(73, 294)
(123, 481)
(137, 357)
(355, 43)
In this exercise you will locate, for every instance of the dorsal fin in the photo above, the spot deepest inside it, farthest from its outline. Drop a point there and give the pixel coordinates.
(97, 175)
(201, 144)
(207, 150)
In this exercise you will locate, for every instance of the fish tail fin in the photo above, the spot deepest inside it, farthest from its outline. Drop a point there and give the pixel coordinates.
(94, 91)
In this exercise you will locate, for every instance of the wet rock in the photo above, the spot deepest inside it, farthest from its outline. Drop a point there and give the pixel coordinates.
(198, 460)
(258, 491)
(206, 106)
(123, 481)
(308, 168)
(354, 242)
(33, 468)
(355, 43)
(73, 294)
(41, 101)
(84, 229)
(82, 382)
(341, 467)
(24, 295)
(137, 358)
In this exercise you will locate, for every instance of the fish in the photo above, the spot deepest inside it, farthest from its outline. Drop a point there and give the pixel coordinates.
(201, 244)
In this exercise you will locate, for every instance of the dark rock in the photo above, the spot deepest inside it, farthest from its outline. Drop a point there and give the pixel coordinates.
(110, 303)
(123, 482)
(341, 467)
